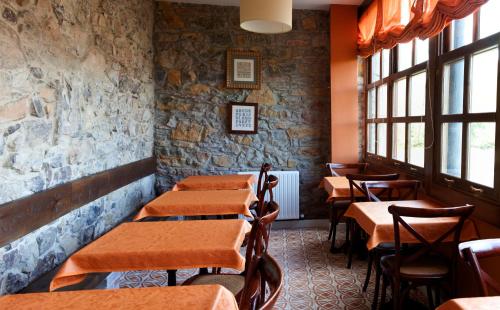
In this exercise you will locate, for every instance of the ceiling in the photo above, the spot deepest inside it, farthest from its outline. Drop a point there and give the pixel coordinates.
(297, 4)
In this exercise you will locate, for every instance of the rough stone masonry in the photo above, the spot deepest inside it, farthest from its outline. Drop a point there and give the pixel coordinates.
(76, 98)
(191, 135)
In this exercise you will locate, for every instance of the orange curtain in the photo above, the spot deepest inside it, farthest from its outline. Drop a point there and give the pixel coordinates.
(386, 23)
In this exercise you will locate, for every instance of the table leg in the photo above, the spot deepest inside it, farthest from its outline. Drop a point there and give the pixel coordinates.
(172, 277)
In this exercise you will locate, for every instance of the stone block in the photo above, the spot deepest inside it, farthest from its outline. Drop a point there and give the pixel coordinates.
(262, 96)
(222, 161)
(198, 89)
(187, 132)
(174, 77)
(303, 132)
(14, 111)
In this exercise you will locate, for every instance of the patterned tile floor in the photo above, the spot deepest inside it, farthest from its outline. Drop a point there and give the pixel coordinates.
(314, 278)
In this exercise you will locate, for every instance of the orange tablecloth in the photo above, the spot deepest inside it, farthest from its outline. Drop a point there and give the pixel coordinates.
(338, 188)
(474, 303)
(377, 222)
(216, 182)
(165, 245)
(192, 203)
(181, 297)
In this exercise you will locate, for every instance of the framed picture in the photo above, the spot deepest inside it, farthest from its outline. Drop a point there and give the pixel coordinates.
(243, 69)
(243, 118)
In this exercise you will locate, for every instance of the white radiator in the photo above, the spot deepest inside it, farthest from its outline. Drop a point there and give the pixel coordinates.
(286, 194)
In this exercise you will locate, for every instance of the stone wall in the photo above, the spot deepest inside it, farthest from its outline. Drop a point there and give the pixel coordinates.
(76, 98)
(191, 135)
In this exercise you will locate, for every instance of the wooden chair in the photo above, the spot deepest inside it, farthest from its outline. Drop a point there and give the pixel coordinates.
(389, 190)
(263, 273)
(430, 265)
(474, 251)
(256, 247)
(263, 176)
(354, 186)
(271, 183)
(338, 208)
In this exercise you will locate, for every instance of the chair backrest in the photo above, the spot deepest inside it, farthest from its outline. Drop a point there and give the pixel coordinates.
(271, 183)
(263, 174)
(355, 179)
(391, 190)
(336, 169)
(399, 214)
(264, 273)
(258, 239)
(474, 251)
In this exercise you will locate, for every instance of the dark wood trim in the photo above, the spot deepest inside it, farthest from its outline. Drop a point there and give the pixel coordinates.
(22, 216)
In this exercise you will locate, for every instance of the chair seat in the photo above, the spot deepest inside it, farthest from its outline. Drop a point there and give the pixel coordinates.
(424, 267)
(233, 282)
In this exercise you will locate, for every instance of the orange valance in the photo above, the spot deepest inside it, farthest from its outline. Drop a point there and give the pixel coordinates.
(386, 23)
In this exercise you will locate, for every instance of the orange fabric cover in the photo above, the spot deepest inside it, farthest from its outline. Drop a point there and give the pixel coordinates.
(192, 203)
(158, 246)
(338, 188)
(473, 303)
(380, 26)
(209, 297)
(377, 222)
(216, 182)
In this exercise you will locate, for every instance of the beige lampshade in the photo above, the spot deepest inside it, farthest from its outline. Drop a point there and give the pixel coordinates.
(266, 16)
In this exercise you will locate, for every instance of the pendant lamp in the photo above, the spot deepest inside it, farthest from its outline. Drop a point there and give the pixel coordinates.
(266, 16)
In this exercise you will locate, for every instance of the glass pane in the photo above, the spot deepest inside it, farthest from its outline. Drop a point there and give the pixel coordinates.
(399, 98)
(481, 153)
(418, 94)
(405, 11)
(385, 63)
(421, 51)
(370, 139)
(462, 31)
(371, 104)
(483, 82)
(382, 101)
(453, 87)
(451, 149)
(375, 67)
(416, 144)
(382, 139)
(404, 56)
(488, 17)
(398, 141)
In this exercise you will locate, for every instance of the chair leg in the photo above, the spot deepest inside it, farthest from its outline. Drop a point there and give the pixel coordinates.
(429, 297)
(384, 292)
(354, 238)
(395, 295)
(368, 271)
(437, 294)
(331, 230)
(378, 274)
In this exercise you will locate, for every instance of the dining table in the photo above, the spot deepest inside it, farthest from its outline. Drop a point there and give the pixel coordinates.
(216, 182)
(375, 219)
(471, 303)
(200, 203)
(206, 297)
(164, 245)
(338, 188)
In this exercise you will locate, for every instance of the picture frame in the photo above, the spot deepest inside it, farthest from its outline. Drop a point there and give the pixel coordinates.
(243, 69)
(243, 118)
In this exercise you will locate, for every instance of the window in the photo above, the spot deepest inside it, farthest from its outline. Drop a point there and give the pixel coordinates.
(468, 108)
(446, 120)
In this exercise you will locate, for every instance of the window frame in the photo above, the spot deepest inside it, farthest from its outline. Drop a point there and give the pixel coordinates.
(459, 189)
(466, 52)
(394, 75)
